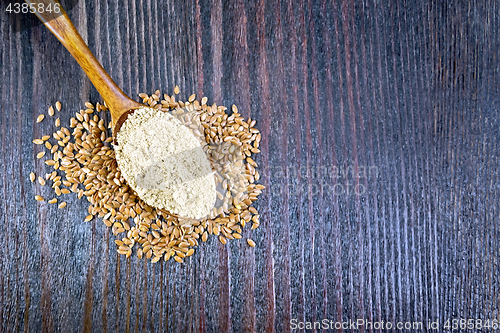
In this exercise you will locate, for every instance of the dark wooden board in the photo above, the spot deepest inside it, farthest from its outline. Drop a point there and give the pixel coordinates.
(405, 92)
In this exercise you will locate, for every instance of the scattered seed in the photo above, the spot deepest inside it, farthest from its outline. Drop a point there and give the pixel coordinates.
(40, 154)
(41, 181)
(61, 205)
(250, 242)
(51, 111)
(38, 198)
(40, 118)
(52, 201)
(58, 106)
(57, 122)
(85, 164)
(32, 177)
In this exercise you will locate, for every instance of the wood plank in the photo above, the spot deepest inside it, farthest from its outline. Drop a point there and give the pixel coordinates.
(399, 99)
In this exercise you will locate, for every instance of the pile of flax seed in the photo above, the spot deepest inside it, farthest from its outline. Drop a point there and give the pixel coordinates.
(83, 162)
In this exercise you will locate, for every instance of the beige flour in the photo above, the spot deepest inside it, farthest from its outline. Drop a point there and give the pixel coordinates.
(165, 164)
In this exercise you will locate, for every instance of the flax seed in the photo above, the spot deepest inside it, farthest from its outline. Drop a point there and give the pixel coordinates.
(88, 164)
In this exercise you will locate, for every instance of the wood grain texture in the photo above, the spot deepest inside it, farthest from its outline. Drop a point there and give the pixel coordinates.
(380, 154)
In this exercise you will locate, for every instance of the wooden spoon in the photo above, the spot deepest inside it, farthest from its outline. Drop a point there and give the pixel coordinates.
(119, 104)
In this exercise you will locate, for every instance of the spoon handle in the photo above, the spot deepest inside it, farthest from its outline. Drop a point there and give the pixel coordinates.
(62, 27)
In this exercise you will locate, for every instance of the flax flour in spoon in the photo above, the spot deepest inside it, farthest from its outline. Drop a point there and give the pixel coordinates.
(165, 164)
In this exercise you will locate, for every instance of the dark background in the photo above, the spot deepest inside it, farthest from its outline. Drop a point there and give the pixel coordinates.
(406, 89)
